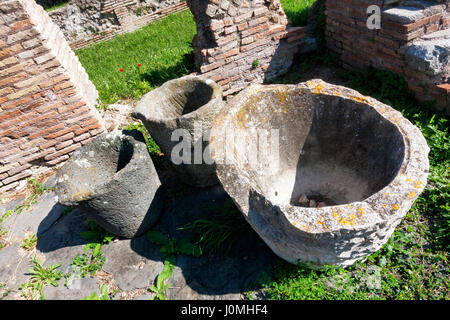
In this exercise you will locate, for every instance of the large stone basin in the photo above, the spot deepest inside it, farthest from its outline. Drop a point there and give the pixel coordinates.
(181, 111)
(346, 171)
(113, 178)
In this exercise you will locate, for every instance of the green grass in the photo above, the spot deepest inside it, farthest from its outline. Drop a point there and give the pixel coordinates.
(164, 50)
(297, 11)
(152, 147)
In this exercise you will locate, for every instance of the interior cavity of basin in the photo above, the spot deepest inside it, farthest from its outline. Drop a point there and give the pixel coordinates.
(331, 149)
(181, 98)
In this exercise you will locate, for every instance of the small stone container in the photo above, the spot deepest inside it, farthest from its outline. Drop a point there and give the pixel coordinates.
(182, 110)
(114, 180)
(341, 174)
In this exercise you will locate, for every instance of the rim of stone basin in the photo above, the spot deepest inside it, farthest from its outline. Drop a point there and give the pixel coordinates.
(160, 95)
(388, 205)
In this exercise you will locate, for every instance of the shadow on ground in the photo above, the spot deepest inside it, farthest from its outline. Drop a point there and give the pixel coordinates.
(135, 263)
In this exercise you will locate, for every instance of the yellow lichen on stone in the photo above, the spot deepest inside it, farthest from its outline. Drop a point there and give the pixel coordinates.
(359, 99)
(395, 207)
(319, 88)
(412, 195)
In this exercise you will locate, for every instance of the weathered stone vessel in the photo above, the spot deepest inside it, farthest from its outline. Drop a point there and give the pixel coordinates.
(113, 178)
(341, 173)
(181, 111)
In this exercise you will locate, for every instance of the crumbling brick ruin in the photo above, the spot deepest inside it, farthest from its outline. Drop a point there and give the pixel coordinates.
(243, 41)
(414, 42)
(47, 103)
(84, 22)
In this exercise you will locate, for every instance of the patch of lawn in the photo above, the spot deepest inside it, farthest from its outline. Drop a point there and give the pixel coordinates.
(413, 264)
(297, 10)
(56, 5)
(163, 49)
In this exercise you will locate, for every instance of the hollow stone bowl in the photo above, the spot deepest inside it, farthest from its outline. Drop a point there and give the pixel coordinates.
(113, 178)
(359, 158)
(189, 104)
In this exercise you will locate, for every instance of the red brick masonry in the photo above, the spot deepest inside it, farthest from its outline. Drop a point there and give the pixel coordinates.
(47, 103)
(347, 34)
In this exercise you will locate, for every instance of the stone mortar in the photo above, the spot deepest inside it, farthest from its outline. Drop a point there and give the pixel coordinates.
(113, 178)
(360, 157)
(183, 103)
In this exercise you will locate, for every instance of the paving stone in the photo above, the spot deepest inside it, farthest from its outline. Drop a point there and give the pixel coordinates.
(64, 233)
(79, 289)
(131, 270)
(404, 15)
(431, 57)
(37, 220)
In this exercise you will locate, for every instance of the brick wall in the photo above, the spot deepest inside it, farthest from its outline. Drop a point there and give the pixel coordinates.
(243, 41)
(84, 22)
(408, 30)
(47, 103)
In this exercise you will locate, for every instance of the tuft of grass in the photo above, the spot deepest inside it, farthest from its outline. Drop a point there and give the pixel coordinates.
(163, 49)
(161, 284)
(30, 242)
(297, 11)
(91, 259)
(225, 227)
(56, 4)
(103, 294)
(37, 189)
(4, 290)
(152, 147)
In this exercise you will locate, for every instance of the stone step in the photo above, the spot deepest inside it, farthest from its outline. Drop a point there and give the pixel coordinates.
(413, 11)
(431, 54)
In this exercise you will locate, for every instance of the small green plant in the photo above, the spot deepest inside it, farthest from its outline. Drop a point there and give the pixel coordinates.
(56, 4)
(152, 147)
(67, 211)
(29, 242)
(37, 189)
(170, 248)
(103, 294)
(40, 277)
(223, 229)
(6, 215)
(255, 64)
(161, 285)
(91, 259)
